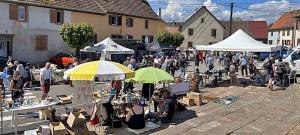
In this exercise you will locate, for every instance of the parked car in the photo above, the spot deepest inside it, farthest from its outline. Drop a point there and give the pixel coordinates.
(293, 58)
(63, 60)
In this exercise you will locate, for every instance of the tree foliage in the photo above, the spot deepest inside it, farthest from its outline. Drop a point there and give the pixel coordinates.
(168, 38)
(77, 35)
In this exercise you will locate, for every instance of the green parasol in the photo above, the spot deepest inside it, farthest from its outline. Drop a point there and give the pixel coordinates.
(151, 75)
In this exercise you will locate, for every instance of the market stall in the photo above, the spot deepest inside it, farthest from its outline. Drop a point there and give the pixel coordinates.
(84, 76)
(107, 47)
(239, 42)
(151, 75)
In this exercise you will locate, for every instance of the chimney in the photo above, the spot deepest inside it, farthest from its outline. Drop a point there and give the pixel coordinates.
(159, 12)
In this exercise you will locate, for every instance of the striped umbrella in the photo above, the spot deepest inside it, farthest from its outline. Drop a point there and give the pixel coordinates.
(104, 70)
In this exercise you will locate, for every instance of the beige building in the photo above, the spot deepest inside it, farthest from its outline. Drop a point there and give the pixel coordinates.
(202, 28)
(118, 20)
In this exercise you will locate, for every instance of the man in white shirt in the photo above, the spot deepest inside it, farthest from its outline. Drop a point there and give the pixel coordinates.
(45, 79)
(157, 62)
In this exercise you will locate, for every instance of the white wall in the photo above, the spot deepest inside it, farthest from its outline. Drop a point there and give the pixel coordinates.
(38, 24)
(274, 38)
(202, 31)
(297, 37)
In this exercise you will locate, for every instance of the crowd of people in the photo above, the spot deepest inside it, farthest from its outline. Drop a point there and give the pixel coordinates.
(16, 77)
(232, 62)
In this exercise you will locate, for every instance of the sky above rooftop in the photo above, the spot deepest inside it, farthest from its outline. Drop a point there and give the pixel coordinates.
(268, 10)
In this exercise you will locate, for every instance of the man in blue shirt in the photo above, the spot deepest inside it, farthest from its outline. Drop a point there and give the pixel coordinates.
(244, 65)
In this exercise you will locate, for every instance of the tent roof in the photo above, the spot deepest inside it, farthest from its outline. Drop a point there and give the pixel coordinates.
(108, 46)
(155, 46)
(239, 41)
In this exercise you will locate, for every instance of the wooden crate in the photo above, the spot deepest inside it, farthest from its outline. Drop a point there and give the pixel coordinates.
(188, 101)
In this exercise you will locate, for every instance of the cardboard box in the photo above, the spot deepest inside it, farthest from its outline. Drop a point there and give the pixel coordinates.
(197, 97)
(44, 113)
(81, 132)
(57, 128)
(44, 130)
(76, 120)
(210, 98)
(188, 101)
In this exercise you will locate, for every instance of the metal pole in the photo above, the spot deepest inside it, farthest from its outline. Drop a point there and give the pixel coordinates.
(231, 10)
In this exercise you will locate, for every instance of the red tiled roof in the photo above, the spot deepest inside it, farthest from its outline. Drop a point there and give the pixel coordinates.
(286, 20)
(137, 8)
(255, 29)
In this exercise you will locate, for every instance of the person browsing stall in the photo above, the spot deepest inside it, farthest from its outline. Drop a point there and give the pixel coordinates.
(45, 79)
(135, 116)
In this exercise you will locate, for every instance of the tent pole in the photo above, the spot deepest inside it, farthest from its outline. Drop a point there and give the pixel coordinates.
(149, 96)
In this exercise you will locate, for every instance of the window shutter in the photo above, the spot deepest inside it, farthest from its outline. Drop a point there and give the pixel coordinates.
(13, 12)
(42, 42)
(62, 17)
(120, 20)
(52, 16)
(26, 13)
(110, 20)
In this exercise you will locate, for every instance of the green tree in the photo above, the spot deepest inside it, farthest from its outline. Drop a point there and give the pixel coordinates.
(77, 35)
(164, 37)
(178, 39)
(168, 38)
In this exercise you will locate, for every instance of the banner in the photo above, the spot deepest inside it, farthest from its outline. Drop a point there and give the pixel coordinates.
(83, 92)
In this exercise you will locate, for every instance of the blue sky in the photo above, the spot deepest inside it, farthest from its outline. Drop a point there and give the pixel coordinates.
(269, 10)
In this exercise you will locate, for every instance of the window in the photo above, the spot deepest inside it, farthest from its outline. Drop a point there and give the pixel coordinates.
(288, 32)
(214, 32)
(21, 13)
(1, 45)
(271, 33)
(283, 33)
(282, 42)
(146, 24)
(270, 42)
(128, 37)
(190, 44)
(147, 39)
(115, 20)
(56, 16)
(129, 22)
(190, 31)
(41, 42)
(18, 13)
(116, 36)
(202, 20)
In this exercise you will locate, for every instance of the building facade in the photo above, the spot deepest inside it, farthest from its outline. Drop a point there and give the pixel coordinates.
(27, 33)
(202, 28)
(285, 30)
(31, 28)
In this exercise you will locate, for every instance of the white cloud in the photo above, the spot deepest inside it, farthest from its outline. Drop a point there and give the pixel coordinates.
(261, 11)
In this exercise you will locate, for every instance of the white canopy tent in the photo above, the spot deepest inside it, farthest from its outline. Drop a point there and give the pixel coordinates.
(239, 42)
(108, 46)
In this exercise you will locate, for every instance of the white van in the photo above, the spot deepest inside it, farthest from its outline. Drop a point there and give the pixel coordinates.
(293, 58)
